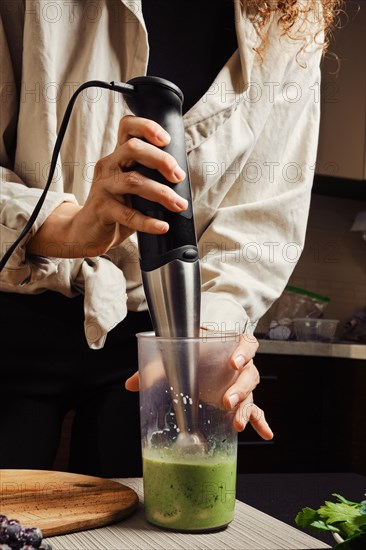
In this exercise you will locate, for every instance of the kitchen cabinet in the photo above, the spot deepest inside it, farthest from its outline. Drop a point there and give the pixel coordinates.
(315, 405)
(316, 408)
(342, 138)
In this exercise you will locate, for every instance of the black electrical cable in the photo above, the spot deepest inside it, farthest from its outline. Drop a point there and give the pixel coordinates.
(113, 86)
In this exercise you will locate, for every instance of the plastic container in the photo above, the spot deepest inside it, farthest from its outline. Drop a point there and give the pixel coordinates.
(294, 303)
(315, 330)
(187, 487)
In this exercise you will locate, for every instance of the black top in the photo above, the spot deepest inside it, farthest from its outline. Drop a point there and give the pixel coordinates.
(190, 41)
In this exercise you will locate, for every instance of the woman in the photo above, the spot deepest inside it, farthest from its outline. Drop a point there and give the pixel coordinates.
(249, 72)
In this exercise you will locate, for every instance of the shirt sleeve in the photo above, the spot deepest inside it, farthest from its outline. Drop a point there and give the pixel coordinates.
(256, 236)
(17, 201)
(98, 279)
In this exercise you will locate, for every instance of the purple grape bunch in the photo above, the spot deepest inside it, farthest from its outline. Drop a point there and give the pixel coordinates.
(14, 536)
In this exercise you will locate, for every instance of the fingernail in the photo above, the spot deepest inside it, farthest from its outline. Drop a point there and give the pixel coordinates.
(182, 203)
(239, 361)
(240, 425)
(161, 226)
(179, 173)
(163, 136)
(234, 400)
(269, 429)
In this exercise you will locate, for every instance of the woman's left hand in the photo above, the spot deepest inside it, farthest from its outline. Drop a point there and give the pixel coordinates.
(239, 396)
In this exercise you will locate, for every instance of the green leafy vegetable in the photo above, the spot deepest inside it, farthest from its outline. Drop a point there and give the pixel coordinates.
(344, 517)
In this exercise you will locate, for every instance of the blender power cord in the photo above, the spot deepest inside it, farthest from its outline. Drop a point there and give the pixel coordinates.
(113, 86)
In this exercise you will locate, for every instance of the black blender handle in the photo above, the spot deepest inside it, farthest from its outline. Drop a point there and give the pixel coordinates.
(160, 100)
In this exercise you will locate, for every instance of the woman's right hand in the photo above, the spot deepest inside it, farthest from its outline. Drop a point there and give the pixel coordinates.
(107, 217)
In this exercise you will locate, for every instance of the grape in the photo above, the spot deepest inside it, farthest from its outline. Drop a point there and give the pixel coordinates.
(32, 536)
(14, 536)
(12, 530)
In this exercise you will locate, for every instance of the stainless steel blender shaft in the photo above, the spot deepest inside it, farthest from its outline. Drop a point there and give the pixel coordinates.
(173, 293)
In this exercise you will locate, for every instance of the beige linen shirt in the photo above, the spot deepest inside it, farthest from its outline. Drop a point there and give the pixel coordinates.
(251, 143)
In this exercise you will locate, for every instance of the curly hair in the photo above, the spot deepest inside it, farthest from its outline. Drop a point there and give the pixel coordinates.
(292, 14)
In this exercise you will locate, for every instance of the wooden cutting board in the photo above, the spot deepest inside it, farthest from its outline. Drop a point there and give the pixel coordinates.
(61, 502)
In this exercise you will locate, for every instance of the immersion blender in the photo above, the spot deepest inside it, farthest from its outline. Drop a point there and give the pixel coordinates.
(169, 262)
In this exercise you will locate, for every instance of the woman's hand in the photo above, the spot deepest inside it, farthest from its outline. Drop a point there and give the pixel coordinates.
(107, 217)
(239, 396)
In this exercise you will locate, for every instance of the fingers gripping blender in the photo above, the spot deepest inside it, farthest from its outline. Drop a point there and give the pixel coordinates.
(169, 263)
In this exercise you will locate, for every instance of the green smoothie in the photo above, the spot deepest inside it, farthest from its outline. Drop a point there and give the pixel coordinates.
(189, 495)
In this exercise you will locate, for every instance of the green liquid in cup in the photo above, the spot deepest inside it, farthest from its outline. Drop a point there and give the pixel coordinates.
(187, 495)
